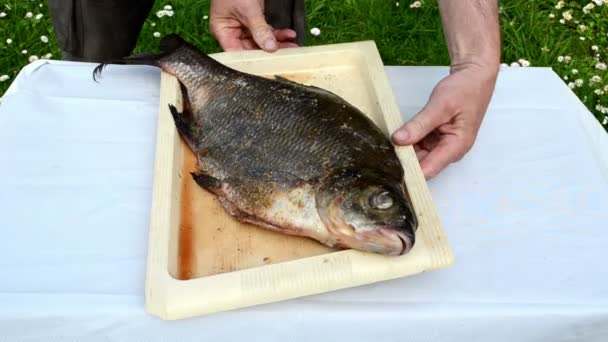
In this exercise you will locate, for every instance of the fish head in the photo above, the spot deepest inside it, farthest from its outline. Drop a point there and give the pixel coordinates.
(365, 211)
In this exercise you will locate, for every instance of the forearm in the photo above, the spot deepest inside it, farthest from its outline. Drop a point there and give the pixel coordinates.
(472, 33)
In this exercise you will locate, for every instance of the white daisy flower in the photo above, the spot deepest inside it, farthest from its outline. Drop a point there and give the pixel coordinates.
(205, 17)
(559, 4)
(29, 14)
(9, 41)
(578, 82)
(567, 59)
(156, 34)
(33, 58)
(168, 8)
(315, 31)
(39, 16)
(24, 52)
(594, 48)
(164, 13)
(416, 4)
(600, 66)
(595, 79)
(2, 14)
(571, 85)
(567, 15)
(44, 39)
(4, 78)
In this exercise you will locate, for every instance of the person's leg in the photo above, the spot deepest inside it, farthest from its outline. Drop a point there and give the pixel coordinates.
(98, 30)
(287, 14)
(62, 14)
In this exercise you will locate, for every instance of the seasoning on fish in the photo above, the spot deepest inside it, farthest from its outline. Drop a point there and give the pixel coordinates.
(288, 157)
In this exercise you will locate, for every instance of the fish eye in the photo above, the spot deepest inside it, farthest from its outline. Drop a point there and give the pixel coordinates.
(381, 200)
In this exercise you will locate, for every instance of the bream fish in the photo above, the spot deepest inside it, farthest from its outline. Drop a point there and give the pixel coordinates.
(285, 156)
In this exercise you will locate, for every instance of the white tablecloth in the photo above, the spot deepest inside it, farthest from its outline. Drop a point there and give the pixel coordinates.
(525, 211)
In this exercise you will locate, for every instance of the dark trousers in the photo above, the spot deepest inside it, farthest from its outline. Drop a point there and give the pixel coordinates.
(99, 30)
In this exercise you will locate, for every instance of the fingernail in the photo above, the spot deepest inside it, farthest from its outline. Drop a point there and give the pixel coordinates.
(401, 136)
(269, 44)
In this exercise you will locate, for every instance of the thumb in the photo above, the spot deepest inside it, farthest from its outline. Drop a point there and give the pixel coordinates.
(262, 33)
(423, 123)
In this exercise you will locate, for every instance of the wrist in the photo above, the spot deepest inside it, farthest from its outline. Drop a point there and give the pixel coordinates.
(487, 65)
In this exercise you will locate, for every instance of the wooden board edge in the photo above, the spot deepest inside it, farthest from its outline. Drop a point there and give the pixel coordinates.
(157, 274)
(253, 55)
(284, 281)
(442, 255)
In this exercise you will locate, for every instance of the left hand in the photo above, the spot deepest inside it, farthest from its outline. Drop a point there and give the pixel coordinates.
(241, 25)
(446, 128)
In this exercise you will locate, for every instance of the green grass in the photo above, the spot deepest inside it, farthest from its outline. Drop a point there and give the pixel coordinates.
(404, 35)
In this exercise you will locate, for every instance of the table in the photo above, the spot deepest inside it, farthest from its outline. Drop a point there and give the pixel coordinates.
(525, 212)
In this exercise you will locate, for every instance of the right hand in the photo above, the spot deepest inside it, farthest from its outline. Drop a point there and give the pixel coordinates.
(240, 25)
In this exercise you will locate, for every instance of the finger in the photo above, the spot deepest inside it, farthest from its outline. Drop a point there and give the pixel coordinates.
(429, 118)
(262, 33)
(230, 44)
(430, 140)
(249, 44)
(446, 152)
(284, 34)
(284, 45)
(228, 40)
(421, 154)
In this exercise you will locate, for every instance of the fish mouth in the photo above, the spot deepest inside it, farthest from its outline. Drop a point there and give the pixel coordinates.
(400, 243)
(385, 241)
(407, 242)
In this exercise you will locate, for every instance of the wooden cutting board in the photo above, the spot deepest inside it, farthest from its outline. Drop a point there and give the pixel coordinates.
(201, 260)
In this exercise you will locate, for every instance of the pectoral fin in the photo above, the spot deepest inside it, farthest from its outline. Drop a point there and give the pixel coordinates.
(207, 182)
(184, 121)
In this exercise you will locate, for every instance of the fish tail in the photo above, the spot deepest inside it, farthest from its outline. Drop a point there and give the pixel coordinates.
(142, 59)
(168, 45)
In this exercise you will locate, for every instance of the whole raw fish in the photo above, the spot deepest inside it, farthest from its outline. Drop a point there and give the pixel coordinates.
(288, 157)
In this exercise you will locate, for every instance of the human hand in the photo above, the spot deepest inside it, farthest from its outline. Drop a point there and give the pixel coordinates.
(240, 25)
(446, 128)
